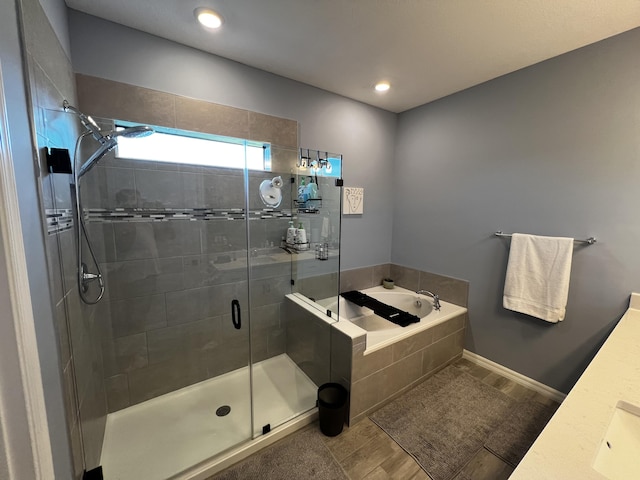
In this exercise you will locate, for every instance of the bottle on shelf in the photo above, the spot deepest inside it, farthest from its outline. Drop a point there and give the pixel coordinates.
(292, 233)
(312, 190)
(302, 193)
(302, 234)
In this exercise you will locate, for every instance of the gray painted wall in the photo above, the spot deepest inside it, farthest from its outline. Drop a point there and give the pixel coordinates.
(551, 150)
(363, 134)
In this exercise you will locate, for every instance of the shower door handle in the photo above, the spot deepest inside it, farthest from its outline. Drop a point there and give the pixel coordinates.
(236, 318)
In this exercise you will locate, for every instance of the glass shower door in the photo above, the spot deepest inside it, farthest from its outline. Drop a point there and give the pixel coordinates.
(281, 390)
(170, 236)
(317, 276)
(226, 249)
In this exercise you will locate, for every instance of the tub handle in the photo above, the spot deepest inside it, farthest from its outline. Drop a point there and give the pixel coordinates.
(236, 318)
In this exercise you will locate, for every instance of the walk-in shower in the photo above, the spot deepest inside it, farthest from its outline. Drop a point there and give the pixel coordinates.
(184, 243)
(107, 142)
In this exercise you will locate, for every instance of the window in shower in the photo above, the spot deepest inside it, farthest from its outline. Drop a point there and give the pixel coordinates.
(209, 150)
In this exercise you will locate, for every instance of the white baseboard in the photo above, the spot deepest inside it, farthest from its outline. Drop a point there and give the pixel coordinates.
(515, 376)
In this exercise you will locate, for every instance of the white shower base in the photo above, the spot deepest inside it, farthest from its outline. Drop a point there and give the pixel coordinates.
(161, 437)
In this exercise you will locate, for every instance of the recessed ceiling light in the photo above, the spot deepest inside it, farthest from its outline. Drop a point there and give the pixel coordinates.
(208, 17)
(382, 86)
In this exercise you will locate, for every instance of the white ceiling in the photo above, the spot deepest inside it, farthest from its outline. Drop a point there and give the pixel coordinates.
(426, 49)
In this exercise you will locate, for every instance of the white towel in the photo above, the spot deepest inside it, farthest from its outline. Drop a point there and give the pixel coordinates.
(325, 228)
(538, 274)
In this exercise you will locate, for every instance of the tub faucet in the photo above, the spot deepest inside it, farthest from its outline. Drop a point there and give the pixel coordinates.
(436, 298)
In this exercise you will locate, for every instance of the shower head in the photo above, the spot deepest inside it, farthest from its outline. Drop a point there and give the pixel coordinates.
(110, 141)
(138, 131)
(107, 139)
(97, 155)
(92, 127)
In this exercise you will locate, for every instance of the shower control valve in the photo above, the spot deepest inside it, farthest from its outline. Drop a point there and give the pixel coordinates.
(87, 277)
(90, 276)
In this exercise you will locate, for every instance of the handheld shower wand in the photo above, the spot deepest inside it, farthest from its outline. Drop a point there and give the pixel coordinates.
(108, 141)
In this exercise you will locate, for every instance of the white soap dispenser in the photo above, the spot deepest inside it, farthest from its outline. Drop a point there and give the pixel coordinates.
(302, 234)
(291, 234)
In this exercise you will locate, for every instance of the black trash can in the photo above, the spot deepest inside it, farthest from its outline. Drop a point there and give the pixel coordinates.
(332, 408)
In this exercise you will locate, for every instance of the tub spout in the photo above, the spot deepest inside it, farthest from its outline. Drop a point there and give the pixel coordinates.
(436, 298)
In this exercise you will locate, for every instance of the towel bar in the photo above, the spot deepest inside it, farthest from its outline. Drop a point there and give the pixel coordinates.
(588, 241)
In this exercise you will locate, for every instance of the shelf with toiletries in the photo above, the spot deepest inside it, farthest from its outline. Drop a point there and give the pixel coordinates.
(311, 205)
(296, 237)
(308, 199)
(316, 200)
(298, 246)
(278, 259)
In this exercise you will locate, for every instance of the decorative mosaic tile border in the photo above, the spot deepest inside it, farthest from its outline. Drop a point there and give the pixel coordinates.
(59, 220)
(167, 214)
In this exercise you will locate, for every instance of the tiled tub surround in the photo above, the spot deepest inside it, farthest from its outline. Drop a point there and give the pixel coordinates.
(379, 337)
(381, 376)
(452, 290)
(376, 378)
(308, 333)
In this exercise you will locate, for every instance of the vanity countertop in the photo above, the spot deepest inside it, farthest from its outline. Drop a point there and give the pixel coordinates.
(568, 445)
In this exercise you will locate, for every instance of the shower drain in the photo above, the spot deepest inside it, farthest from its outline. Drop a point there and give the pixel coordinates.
(223, 410)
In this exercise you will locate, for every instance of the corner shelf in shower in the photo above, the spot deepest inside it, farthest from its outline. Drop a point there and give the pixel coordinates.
(312, 205)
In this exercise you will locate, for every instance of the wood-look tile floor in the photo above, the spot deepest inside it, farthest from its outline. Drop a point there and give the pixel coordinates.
(366, 452)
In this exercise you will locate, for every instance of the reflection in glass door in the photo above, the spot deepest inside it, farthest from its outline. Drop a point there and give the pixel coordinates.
(171, 240)
(189, 344)
(318, 210)
(281, 390)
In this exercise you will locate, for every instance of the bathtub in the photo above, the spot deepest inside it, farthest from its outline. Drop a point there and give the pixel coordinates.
(356, 321)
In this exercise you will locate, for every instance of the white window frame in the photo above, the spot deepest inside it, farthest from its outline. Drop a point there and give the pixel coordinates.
(173, 146)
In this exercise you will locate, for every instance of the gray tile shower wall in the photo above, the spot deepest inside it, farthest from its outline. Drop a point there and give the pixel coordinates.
(143, 105)
(170, 283)
(51, 81)
(308, 342)
(173, 326)
(318, 286)
(377, 378)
